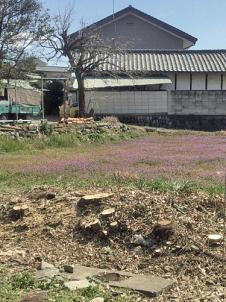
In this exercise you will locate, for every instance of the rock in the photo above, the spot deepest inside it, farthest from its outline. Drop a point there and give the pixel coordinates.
(45, 265)
(149, 285)
(94, 200)
(69, 269)
(215, 239)
(99, 299)
(138, 239)
(79, 284)
(108, 212)
(46, 270)
(163, 229)
(34, 297)
(138, 250)
(18, 212)
(93, 225)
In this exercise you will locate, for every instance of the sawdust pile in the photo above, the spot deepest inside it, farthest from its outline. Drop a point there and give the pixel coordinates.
(143, 232)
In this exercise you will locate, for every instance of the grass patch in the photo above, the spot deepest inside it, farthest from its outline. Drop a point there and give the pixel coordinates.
(67, 140)
(11, 182)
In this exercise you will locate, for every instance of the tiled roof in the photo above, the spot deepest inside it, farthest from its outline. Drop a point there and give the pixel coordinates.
(168, 61)
(145, 16)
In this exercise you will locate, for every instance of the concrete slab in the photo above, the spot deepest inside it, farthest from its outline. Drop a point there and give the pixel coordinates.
(74, 285)
(149, 285)
(47, 273)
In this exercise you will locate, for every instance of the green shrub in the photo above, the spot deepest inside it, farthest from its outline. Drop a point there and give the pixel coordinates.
(45, 128)
(23, 281)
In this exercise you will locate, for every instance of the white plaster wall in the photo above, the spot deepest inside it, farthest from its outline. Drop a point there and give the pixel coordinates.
(126, 102)
(198, 81)
(214, 81)
(183, 81)
(224, 82)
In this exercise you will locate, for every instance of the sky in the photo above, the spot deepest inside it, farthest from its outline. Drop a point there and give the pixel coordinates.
(204, 19)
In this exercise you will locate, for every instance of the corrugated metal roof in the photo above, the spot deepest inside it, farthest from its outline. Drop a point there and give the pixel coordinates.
(57, 69)
(167, 61)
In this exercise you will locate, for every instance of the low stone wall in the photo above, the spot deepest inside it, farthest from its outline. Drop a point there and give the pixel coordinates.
(155, 120)
(192, 122)
(197, 122)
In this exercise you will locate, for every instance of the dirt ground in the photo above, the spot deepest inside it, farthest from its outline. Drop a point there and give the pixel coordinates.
(50, 227)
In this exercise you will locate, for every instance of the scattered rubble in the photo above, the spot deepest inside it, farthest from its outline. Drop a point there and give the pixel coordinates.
(81, 126)
(77, 121)
(83, 277)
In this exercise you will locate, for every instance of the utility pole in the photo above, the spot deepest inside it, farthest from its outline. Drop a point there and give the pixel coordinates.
(113, 40)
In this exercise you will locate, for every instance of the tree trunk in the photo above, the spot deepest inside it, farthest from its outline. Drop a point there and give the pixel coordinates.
(81, 96)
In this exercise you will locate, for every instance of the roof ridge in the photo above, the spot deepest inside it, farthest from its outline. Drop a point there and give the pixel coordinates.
(176, 50)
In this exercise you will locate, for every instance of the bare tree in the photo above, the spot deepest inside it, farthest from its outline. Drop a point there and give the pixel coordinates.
(22, 24)
(85, 50)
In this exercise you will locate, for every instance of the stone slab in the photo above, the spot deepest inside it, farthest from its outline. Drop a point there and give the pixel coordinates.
(34, 296)
(75, 285)
(149, 285)
(99, 299)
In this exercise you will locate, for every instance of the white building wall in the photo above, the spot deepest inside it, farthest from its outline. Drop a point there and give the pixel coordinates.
(183, 81)
(214, 81)
(198, 81)
(126, 102)
(224, 82)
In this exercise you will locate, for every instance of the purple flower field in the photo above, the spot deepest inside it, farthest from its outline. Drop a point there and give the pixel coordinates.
(183, 156)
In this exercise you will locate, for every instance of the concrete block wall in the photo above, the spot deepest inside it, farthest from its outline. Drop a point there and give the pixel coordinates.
(126, 102)
(197, 103)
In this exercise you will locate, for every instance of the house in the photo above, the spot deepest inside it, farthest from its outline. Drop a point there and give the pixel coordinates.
(161, 82)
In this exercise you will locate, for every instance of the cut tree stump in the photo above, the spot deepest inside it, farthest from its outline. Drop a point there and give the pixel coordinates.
(93, 200)
(163, 229)
(108, 212)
